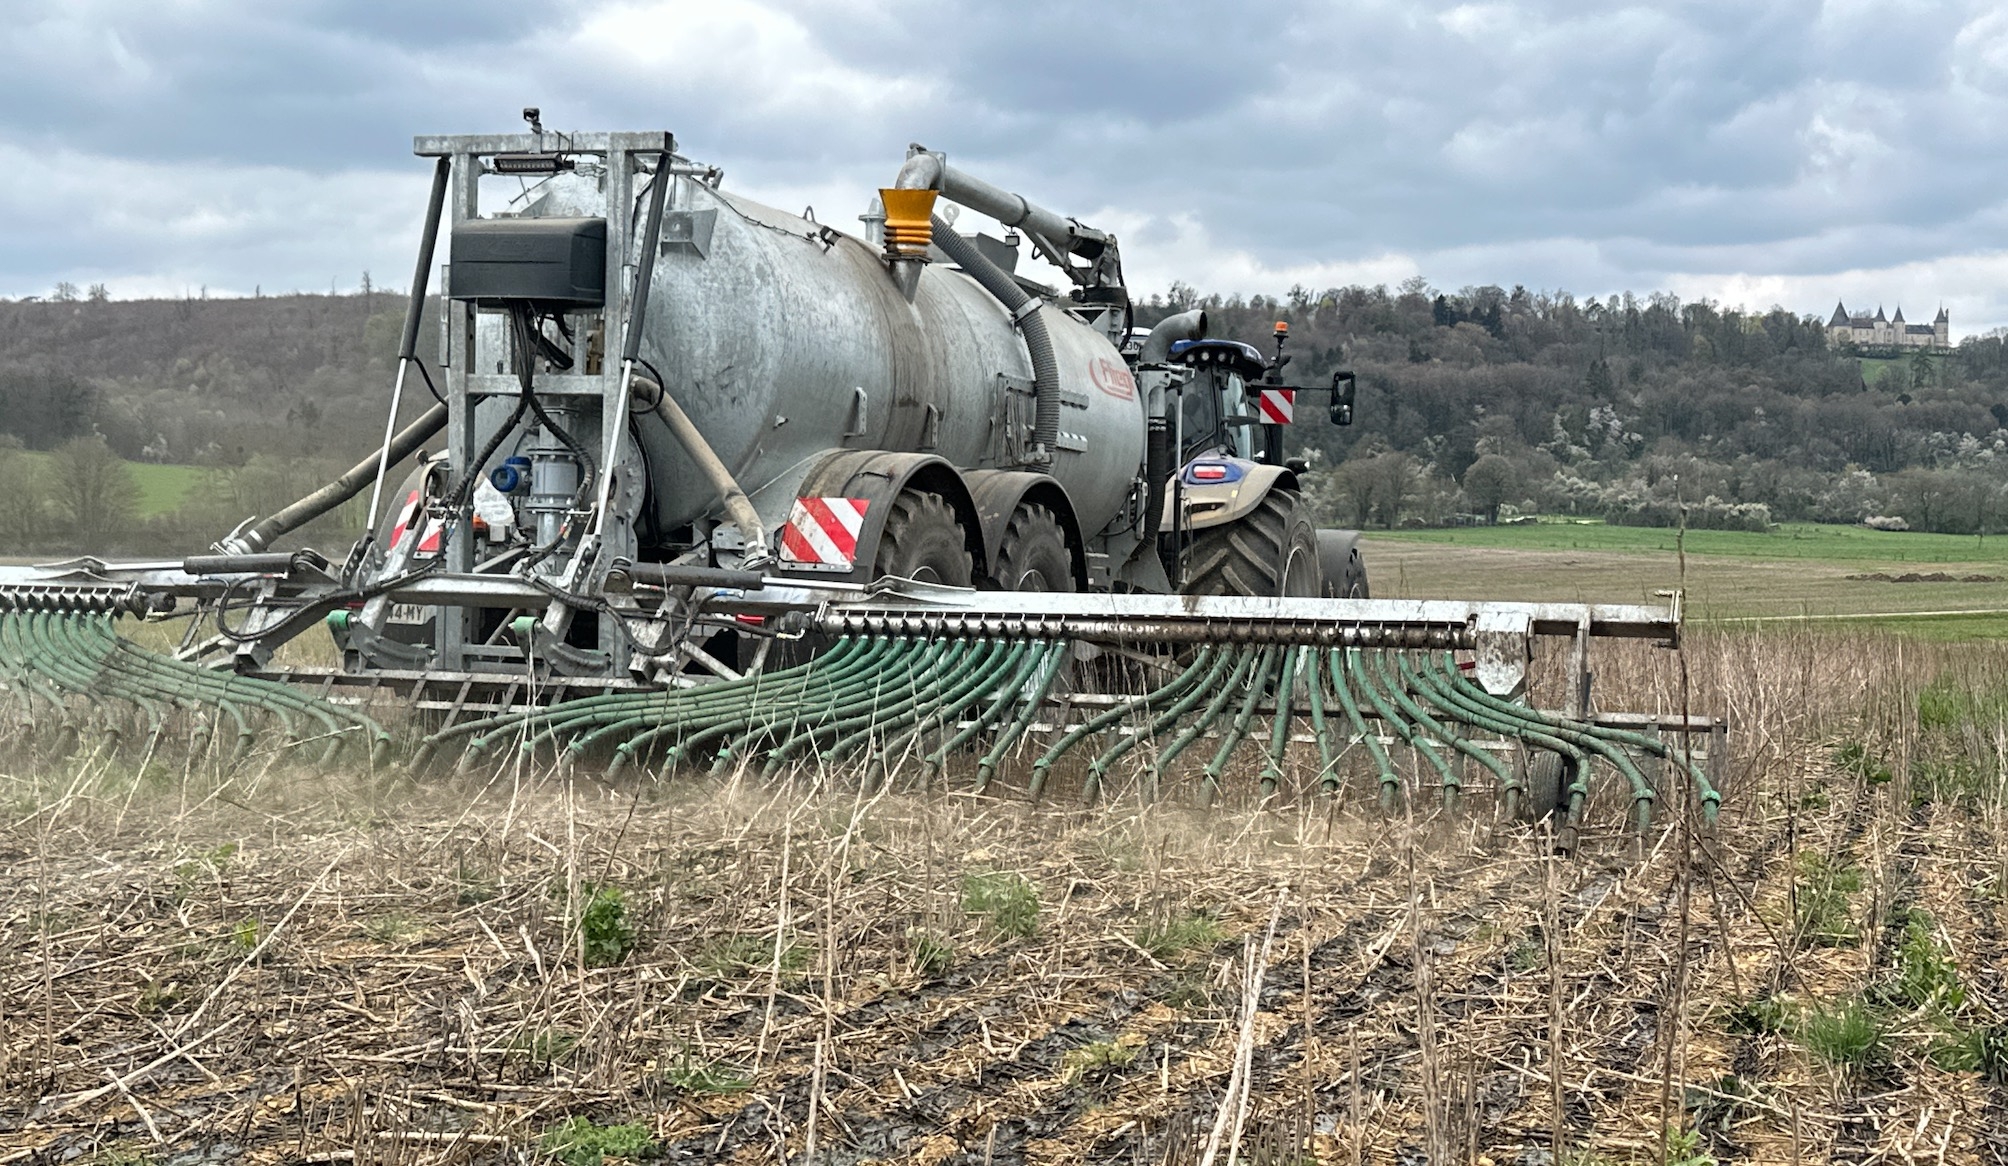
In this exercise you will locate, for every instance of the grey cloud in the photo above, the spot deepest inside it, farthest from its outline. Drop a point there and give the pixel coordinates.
(1599, 146)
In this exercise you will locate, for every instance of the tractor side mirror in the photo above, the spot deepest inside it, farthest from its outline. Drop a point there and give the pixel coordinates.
(1343, 384)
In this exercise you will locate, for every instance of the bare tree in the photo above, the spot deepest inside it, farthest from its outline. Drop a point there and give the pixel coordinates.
(93, 490)
(1395, 480)
(1355, 485)
(25, 516)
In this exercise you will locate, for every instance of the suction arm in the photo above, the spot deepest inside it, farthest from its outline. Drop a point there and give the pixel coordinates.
(1038, 341)
(1169, 331)
(1054, 234)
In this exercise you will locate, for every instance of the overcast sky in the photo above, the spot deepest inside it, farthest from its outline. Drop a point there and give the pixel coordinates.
(1790, 152)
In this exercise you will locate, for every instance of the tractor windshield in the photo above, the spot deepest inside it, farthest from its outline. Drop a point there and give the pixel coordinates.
(1199, 416)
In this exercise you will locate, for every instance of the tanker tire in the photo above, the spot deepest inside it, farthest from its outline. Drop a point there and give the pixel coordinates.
(1034, 555)
(1272, 550)
(923, 541)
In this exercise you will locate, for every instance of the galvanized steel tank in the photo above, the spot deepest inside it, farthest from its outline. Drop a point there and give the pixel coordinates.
(783, 338)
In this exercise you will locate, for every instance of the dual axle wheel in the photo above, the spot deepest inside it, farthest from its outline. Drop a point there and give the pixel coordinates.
(1274, 550)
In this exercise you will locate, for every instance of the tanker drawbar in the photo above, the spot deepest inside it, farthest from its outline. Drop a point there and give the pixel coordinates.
(719, 488)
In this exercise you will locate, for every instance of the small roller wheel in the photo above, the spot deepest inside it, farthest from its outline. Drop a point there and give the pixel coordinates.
(1546, 790)
(1034, 555)
(923, 541)
(1344, 569)
(1352, 582)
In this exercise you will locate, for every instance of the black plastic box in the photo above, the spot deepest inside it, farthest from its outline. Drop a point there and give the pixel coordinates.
(558, 262)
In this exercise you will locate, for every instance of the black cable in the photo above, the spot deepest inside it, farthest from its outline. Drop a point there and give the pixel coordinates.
(600, 607)
(528, 335)
(588, 468)
(429, 386)
(548, 348)
(661, 382)
(463, 493)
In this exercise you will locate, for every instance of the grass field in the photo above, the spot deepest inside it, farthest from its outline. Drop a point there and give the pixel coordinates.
(1798, 572)
(161, 488)
(1893, 551)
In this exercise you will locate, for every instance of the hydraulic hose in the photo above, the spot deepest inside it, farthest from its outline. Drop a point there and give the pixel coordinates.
(653, 398)
(1001, 699)
(1102, 721)
(1025, 313)
(1192, 694)
(400, 447)
(1398, 689)
(1279, 726)
(1209, 786)
(1244, 660)
(1055, 656)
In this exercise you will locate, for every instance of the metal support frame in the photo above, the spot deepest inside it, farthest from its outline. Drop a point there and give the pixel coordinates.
(470, 389)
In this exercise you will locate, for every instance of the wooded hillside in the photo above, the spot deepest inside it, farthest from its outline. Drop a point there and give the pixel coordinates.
(1593, 407)
(1473, 405)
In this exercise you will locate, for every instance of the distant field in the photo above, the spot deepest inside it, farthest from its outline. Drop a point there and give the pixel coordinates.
(1875, 368)
(1791, 540)
(1797, 573)
(161, 488)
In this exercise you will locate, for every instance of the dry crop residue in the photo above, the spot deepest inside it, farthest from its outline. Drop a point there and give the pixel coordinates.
(266, 966)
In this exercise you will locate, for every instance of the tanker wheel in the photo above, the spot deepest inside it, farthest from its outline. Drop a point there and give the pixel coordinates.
(1034, 555)
(922, 541)
(1271, 550)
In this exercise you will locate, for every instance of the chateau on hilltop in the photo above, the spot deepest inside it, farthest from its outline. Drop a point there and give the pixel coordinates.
(1876, 332)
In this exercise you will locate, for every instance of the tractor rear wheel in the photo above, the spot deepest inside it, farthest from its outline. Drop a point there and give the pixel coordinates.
(1034, 555)
(1271, 550)
(923, 541)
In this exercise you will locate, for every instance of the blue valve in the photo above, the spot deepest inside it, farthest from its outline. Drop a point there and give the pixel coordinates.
(511, 475)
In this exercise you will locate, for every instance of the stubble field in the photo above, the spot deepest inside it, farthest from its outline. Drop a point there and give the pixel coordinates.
(261, 963)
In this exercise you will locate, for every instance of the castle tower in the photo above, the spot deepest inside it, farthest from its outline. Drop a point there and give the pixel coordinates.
(1941, 329)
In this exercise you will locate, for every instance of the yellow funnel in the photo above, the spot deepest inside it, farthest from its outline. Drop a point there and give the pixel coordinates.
(908, 222)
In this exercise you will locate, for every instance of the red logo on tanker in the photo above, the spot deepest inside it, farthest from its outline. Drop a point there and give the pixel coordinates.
(1113, 379)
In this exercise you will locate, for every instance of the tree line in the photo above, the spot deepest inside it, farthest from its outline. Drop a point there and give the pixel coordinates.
(1486, 403)
(1475, 405)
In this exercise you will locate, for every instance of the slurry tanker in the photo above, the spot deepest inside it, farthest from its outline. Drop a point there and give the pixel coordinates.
(706, 480)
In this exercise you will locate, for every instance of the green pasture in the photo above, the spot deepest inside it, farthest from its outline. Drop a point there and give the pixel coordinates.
(1799, 574)
(161, 488)
(1858, 546)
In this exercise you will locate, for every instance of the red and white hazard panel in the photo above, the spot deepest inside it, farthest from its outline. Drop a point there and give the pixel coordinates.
(1277, 406)
(823, 533)
(428, 541)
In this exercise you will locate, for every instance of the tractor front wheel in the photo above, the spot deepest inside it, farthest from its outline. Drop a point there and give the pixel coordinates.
(1272, 550)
